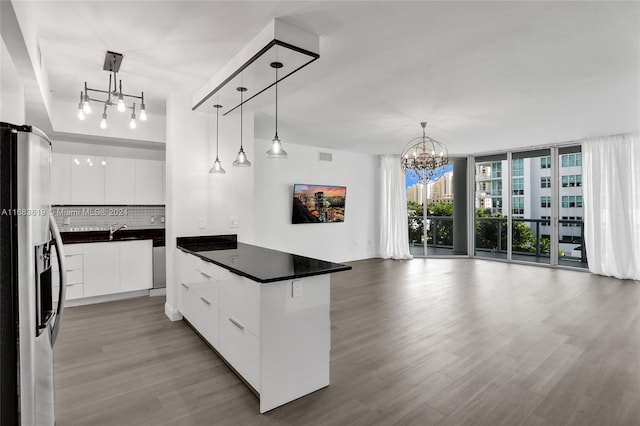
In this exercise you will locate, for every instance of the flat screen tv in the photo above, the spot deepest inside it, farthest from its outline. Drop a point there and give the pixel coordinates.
(318, 203)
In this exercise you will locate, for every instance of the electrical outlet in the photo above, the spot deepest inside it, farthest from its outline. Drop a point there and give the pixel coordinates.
(152, 219)
(234, 222)
(296, 289)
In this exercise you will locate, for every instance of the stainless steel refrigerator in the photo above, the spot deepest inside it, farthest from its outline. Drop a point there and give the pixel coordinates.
(30, 304)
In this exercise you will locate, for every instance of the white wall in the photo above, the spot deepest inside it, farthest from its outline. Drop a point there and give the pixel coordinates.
(12, 106)
(198, 203)
(273, 192)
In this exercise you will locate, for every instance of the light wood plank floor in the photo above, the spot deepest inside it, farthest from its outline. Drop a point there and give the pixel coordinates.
(421, 342)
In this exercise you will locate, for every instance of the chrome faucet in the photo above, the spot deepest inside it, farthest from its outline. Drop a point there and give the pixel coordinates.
(115, 228)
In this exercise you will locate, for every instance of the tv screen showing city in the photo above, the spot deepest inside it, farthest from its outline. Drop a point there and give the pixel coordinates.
(318, 203)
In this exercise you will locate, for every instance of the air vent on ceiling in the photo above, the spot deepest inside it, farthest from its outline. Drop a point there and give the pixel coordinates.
(325, 156)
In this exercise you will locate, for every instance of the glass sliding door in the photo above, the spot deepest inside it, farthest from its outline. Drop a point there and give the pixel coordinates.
(570, 224)
(531, 200)
(490, 206)
(437, 211)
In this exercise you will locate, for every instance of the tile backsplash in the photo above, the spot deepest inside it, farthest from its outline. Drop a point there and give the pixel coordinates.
(99, 218)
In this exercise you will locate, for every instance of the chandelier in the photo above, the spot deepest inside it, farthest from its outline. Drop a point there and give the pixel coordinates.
(423, 156)
(114, 95)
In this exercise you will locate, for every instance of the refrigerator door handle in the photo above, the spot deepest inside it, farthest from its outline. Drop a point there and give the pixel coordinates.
(57, 241)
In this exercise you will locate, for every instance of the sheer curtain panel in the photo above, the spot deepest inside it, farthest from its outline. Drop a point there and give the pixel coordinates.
(611, 191)
(394, 228)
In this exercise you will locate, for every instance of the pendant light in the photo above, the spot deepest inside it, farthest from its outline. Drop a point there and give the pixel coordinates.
(241, 159)
(276, 152)
(217, 165)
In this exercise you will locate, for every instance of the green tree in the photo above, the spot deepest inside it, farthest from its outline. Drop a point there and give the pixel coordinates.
(443, 227)
(495, 226)
(416, 226)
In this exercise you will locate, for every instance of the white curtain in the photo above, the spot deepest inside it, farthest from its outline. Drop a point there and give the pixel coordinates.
(611, 194)
(394, 228)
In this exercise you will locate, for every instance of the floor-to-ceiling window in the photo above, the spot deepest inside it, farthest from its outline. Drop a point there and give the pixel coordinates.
(490, 206)
(531, 206)
(431, 207)
(540, 194)
(570, 224)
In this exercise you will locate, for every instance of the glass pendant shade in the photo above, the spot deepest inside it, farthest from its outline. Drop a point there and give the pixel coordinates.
(143, 113)
(277, 151)
(80, 112)
(103, 122)
(241, 159)
(217, 167)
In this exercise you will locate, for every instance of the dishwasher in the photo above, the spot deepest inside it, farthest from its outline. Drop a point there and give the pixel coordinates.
(159, 267)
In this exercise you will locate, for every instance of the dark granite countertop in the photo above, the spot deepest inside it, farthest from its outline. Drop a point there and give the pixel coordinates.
(157, 235)
(256, 263)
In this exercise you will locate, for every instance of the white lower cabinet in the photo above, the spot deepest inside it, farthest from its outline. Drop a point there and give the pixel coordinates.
(99, 269)
(279, 344)
(241, 349)
(136, 265)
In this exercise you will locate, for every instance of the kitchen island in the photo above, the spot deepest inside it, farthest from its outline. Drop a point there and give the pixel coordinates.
(263, 311)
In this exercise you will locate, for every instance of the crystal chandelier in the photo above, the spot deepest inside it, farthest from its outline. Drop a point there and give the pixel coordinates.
(423, 156)
(114, 95)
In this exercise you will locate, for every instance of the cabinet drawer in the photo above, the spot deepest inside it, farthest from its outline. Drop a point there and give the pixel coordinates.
(240, 300)
(74, 276)
(241, 349)
(73, 261)
(72, 249)
(74, 291)
(199, 306)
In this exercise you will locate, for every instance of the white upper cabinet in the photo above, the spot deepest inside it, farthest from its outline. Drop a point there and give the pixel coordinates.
(61, 179)
(148, 182)
(87, 179)
(118, 181)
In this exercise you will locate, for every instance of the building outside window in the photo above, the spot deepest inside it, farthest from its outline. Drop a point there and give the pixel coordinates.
(545, 162)
(545, 182)
(517, 186)
(545, 201)
(571, 160)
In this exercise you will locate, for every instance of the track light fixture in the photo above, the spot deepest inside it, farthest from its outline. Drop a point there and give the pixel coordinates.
(113, 97)
(217, 165)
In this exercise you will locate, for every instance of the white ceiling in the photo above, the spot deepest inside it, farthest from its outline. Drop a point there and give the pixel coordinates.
(485, 75)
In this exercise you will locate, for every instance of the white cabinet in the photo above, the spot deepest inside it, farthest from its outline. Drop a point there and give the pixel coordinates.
(87, 179)
(117, 267)
(279, 344)
(148, 182)
(136, 265)
(118, 181)
(101, 269)
(61, 179)
(74, 266)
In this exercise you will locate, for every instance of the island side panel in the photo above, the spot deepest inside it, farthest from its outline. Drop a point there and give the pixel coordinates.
(295, 339)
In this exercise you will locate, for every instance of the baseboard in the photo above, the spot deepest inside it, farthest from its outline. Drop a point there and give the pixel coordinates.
(106, 298)
(157, 292)
(172, 313)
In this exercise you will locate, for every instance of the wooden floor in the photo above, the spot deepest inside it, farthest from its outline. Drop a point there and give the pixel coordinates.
(421, 342)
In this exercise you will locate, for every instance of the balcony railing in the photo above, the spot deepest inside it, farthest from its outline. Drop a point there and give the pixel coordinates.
(491, 235)
(439, 231)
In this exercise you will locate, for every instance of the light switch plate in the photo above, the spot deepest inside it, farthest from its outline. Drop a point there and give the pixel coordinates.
(202, 223)
(296, 289)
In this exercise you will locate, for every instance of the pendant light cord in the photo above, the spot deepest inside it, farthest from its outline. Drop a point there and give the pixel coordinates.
(276, 101)
(217, 124)
(241, 105)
